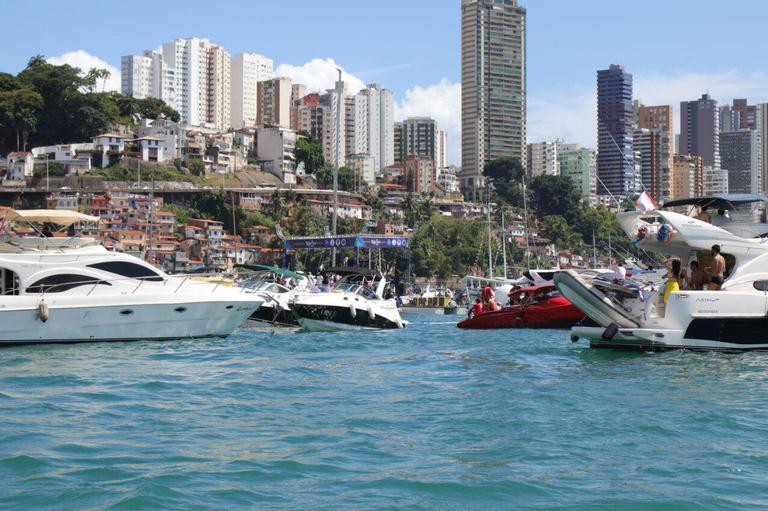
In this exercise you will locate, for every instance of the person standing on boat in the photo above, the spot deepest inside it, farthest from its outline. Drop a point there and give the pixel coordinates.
(717, 270)
(673, 279)
(697, 277)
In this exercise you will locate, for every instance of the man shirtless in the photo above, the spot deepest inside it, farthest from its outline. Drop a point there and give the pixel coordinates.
(717, 270)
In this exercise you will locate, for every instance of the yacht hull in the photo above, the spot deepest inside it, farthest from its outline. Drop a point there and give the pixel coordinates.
(327, 318)
(716, 334)
(267, 314)
(103, 321)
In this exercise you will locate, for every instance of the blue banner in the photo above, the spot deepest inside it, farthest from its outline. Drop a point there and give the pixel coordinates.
(348, 242)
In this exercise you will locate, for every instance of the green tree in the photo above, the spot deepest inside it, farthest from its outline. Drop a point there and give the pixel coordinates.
(558, 230)
(348, 181)
(309, 151)
(19, 111)
(555, 195)
(506, 175)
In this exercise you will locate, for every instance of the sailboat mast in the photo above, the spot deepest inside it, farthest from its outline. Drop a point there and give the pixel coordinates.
(525, 212)
(594, 250)
(504, 243)
(490, 256)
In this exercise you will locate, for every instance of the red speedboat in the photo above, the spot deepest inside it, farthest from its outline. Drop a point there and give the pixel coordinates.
(531, 307)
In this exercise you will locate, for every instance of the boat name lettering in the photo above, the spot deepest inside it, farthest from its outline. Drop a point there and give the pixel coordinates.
(708, 299)
(707, 311)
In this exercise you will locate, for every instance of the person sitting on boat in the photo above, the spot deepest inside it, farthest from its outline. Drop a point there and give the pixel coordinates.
(619, 274)
(673, 279)
(704, 216)
(487, 292)
(721, 219)
(325, 287)
(476, 309)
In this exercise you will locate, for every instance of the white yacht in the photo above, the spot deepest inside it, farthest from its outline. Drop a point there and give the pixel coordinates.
(743, 214)
(71, 289)
(733, 318)
(350, 305)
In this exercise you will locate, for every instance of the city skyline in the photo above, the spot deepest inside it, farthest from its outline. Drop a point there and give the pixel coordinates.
(561, 95)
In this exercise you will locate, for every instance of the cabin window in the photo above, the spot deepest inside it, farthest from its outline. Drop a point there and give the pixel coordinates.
(760, 285)
(63, 282)
(126, 269)
(9, 282)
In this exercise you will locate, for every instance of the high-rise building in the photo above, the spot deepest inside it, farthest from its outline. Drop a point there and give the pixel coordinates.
(493, 87)
(655, 117)
(615, 117)
(203, 82)
(542, 159)
(420, 174)
(442, 150)
(247, 70)
(687, 177)
(699, 130)
(761, 125)
(274, 100)
(416, 136)
(741, 155)
(579, 164)
(148, 75)
(653, 148)
(715, 181)
(374, 125)
(316, 114)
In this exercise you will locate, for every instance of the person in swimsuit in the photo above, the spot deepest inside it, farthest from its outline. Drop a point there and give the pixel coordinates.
(717, 270)
(673, 279)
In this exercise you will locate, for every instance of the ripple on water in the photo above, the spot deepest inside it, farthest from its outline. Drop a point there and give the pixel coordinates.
(431, 417)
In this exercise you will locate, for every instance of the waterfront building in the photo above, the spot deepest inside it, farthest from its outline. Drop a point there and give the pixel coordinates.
(374, 125)
(542, 159)
(653, 149)
(579, 164)
(493, 87)
(417, 136)
(247, 70)
(615, 118)
(274, 102)
(699, 130)
(741, 154)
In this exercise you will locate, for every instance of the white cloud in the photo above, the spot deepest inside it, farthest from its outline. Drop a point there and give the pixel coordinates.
(319, 75)
(85, 61)
(442, 102)
(571, 114)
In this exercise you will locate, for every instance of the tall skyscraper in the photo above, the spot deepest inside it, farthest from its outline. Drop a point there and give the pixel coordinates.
(654, 139)
(493, 88)
(416, 136)
(442, 149)
(248, 69)
(699, 130)
(148, 76)
(687, 177)
(374, 125)
(274, 99)
(615, 119)
(741, 156)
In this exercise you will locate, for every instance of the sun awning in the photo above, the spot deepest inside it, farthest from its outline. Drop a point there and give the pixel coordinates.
(63, 217)
(727, 201)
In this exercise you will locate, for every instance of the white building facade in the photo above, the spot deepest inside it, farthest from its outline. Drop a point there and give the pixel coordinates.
(247, 70)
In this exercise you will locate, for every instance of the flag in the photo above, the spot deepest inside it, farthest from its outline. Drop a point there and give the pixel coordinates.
(645, 203)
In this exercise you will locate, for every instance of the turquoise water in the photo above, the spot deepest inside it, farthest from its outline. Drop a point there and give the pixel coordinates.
(426, 418)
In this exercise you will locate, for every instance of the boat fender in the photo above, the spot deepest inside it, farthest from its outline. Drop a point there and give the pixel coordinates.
(574, 338)
(610, 332)
(371, 313)
(42, 311)
(352, 310)
(399, 323)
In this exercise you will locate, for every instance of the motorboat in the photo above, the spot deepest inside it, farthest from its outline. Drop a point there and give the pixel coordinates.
(71, 289)
(733, 318)
(473, 286)
(355, 302)
(276, 309)
(539, 306)
(742, 214)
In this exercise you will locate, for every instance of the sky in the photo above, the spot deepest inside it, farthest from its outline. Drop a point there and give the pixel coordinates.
(676, 49)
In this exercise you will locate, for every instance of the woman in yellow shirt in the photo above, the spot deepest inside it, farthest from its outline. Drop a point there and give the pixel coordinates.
(673, 279)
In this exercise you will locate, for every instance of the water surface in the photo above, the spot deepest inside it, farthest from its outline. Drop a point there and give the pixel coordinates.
(431, 417)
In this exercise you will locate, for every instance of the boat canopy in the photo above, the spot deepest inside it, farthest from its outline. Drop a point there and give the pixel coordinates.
(726, 201)
(343, 271)
(63, 217)
(272, 269)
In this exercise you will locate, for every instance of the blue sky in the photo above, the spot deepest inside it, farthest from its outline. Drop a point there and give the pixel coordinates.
(677, 49)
